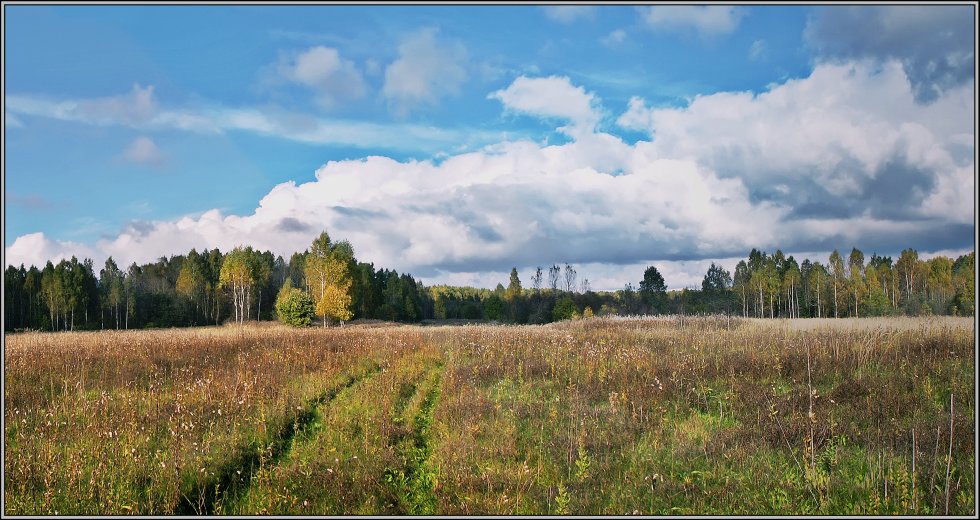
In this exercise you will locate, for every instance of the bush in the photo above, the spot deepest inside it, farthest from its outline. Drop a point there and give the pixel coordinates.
(564, 309)
(494, 308)
(878, 305)
(294, 307)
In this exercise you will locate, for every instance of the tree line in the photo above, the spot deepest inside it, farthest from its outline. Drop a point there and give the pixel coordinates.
(328, 283)
(777, 286)
(206, 288)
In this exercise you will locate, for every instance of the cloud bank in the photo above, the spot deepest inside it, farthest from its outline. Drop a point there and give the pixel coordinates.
(934, 45)
(844, 157)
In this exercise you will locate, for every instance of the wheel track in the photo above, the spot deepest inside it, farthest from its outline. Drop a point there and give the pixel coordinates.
(233, 476)
(413, 485)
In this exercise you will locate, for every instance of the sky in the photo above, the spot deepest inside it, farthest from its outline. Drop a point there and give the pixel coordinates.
(457, 142)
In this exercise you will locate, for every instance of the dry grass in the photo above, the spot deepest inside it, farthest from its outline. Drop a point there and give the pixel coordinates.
(600, 416)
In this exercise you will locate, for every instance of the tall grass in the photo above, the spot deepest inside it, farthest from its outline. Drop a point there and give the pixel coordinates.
(599, 416)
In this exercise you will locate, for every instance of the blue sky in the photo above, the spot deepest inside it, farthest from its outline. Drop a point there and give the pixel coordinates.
(498, 135)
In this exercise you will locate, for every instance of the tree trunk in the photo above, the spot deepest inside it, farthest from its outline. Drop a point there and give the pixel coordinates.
(789, 302)
(762, 307)
(835, 298)
(818, 298)
(796, 301)
(745, 306)
(894, 295)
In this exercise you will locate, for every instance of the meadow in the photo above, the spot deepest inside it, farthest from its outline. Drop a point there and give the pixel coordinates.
(603, 416)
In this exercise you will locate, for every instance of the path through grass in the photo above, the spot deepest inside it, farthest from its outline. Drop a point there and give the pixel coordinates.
(593, 417)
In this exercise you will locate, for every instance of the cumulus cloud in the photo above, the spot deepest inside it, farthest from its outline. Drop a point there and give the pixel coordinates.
(322, 70)
(847, 143)
(569, 13)
(426, 70)
(637, 116)
(551, 97)
(36, 249)
(706, 21)
(515, 203)
(842, 158)
(935, 44)
(144, 151)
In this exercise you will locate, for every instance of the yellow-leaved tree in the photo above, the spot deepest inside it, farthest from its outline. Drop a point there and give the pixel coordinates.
(336, 302)
(328, 279)
(236, 275)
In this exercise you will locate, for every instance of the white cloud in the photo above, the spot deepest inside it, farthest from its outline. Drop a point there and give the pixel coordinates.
(614, 38)
(144, 151)
(265, 121)
(707, 21)
(842, 158)
(515, 202)
(551, 97)
(569, 13)
(136, 107)
(322, 70)
(133, 109)
(602, 276)
(846, 140)
(426, 70)
(36, 249)
(314, 66)
(637, 116)
(935, 44)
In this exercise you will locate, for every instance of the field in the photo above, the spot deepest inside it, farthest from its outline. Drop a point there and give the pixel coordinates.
(596, 416)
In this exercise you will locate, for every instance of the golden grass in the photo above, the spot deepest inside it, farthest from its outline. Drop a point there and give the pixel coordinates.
(599, 416)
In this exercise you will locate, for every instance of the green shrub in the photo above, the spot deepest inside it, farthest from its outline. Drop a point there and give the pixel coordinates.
(564, 309)
(494, 308)
(294, 306)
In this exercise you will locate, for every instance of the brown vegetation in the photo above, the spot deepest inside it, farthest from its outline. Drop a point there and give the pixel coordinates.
(598, 416)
